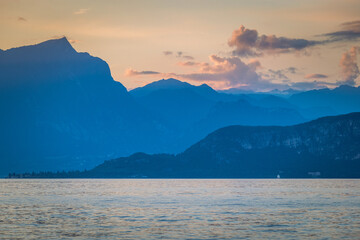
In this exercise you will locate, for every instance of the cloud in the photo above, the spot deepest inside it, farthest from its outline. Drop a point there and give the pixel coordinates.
(130, 72)
(188, 57)
(221, 72)
(192, 63)
(349, 31)
(315, 76)
(228, 72)
(292, 70)
(278, 74)
(247, 42)
(349, 67)
(188, 64)
(232, 72)
(167, 53)
(178, 54)
(21, 19)
(81, 11)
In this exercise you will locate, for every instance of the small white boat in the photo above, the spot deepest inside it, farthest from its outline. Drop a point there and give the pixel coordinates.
(278, 176)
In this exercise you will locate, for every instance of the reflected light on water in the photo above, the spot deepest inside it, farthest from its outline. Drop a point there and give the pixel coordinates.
(179, 209)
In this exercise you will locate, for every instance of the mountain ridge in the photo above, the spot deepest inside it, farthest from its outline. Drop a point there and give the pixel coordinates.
(68, 112)
(327, 147)
(64, 110)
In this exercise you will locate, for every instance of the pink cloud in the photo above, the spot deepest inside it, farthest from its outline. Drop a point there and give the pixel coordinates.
(315, 76)
(131, 72)
(349, 67)
(247, 42)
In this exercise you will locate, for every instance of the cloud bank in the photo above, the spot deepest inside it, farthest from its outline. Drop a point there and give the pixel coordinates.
(247, 42)
(228, 72)
(348, 31)
(233, 72)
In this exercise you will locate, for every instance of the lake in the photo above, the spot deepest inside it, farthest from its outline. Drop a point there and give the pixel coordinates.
(179, 209)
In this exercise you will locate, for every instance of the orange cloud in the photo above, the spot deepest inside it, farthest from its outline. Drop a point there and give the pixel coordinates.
(349, 68)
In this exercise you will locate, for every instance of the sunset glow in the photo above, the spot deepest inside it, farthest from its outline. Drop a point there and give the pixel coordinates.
(148, 40)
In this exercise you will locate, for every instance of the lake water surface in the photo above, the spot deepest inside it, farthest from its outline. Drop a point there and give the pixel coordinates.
(179, 209)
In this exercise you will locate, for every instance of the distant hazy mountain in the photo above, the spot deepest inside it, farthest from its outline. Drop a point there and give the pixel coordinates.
(242, 112)
(311, 104)
(178, 103)
(62, 109)
(327, 147)
(285, 93)
(174, 84)
(340, 100)
(195, 111)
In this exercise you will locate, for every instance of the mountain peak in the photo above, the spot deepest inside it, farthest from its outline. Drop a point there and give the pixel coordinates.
(59, 44)
(50, 49)
(204, 85)
(170, 82)
(57, 41)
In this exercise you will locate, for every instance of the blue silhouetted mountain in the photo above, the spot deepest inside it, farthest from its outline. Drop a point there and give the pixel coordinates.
(269, 101)
(340, 100)
(178, 103)
(242, 112)
(311, 104)
(195, 111)
(62, 109)
(276, 92)
(203, 90)
(328, 147)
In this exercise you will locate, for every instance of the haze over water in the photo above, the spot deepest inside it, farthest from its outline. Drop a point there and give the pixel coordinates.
(179, 209)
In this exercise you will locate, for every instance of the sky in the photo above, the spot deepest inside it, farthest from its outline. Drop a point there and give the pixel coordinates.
(252, 45)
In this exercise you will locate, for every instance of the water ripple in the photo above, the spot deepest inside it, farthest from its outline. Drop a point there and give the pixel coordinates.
(179, 209)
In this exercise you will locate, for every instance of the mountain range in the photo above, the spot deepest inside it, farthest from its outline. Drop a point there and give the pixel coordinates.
(327, 147)
(62, 109)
